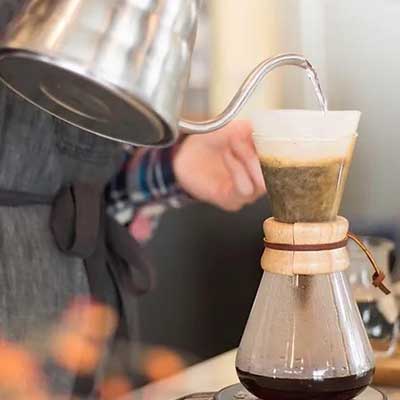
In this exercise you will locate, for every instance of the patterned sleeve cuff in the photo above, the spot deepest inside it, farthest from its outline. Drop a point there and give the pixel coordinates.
(151, 179)
(145, 183)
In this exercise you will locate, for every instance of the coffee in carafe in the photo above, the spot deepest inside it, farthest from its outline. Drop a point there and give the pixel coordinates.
(293, 389)
(304, 338)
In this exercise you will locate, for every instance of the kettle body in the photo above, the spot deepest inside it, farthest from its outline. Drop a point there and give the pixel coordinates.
(115, 68)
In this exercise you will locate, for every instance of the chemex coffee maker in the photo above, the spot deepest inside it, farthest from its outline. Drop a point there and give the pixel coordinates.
(118, 69)
(305, 338)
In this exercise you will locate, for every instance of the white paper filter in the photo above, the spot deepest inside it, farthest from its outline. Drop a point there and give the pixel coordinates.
(304, 135)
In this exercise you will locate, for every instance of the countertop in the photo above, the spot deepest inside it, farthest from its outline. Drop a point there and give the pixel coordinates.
(209, 376)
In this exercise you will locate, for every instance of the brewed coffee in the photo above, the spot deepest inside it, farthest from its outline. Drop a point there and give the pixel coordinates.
(304, 192)
(266, 388)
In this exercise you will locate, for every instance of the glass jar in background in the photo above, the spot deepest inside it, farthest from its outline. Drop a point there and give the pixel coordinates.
(380, 313)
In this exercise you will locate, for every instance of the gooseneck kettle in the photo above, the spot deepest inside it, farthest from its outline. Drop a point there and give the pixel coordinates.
(115, 68)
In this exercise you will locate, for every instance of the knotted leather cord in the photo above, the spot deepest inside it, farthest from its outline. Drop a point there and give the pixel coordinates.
(306, 247)
(377, 278)
(116, 270)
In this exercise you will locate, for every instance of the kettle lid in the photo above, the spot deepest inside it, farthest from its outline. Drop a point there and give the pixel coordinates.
(71, 94)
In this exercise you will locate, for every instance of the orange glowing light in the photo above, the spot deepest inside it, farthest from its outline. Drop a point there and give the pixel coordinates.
(20, 374)
(161, 363)
(92, 320)
(114, 388)
(76, 353)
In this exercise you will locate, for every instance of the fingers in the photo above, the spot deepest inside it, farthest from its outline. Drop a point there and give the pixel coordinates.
(240, 128)
(243, 148)
(242, 182)
(242, 163)
(245, 153)
(230, 174)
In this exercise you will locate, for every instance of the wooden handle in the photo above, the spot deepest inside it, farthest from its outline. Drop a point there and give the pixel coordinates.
(307, 262)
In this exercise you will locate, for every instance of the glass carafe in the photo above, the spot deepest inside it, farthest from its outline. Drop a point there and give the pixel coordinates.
(304, 338)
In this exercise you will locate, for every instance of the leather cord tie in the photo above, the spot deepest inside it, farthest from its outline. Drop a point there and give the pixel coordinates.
(377, 278)
(306, 247)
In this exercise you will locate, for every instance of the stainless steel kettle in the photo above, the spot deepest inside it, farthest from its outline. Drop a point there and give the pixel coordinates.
(115, 68)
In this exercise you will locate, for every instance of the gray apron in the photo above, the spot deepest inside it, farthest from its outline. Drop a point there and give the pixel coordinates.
(56, 242)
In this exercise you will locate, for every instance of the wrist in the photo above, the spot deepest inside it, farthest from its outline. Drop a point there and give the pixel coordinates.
(182, 195)
(176, 162)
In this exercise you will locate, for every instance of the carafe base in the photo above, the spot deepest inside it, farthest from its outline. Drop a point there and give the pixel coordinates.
(266, 388)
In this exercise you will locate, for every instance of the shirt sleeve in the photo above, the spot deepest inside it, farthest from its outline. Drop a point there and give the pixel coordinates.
(143, 189)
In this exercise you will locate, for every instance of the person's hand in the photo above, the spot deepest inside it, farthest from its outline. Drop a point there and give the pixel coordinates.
(221, 168)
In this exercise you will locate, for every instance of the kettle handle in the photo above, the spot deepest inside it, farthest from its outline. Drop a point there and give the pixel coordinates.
(245, 91)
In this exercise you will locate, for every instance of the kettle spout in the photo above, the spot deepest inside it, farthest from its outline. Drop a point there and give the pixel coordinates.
(247, 89)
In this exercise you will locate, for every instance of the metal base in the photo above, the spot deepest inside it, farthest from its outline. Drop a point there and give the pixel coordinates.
(238, 392)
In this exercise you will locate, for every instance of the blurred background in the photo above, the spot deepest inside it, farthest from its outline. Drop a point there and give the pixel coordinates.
(207, 260)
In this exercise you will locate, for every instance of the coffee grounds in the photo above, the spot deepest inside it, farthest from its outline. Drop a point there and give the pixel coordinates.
(305, 192)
